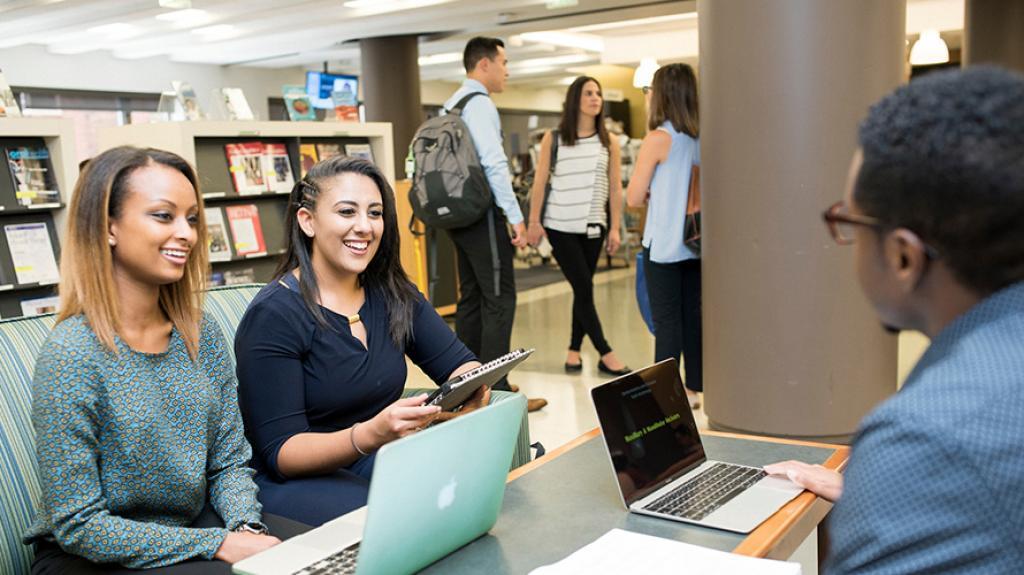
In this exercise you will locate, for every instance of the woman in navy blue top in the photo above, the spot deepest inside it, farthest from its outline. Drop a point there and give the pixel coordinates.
(321, 349)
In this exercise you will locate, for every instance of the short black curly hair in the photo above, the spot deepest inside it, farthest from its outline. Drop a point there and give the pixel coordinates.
(944, 157)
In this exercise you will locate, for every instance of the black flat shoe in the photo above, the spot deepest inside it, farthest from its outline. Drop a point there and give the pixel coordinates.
(573, 367)
(605, 369)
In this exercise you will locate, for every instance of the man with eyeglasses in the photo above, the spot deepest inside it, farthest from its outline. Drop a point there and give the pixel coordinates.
(934, 210)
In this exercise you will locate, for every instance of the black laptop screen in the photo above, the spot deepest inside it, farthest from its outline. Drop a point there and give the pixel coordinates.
(648, 428)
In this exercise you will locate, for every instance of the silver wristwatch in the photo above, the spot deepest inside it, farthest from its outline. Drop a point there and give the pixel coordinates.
(252, 527)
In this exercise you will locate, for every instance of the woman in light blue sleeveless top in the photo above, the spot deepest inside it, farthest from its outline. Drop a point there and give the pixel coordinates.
(661, 180)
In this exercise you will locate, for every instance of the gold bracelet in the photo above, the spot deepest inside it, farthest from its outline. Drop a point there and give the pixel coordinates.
(352, 436)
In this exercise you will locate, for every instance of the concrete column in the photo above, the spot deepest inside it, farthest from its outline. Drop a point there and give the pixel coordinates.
(391, 89)
(791, 347)
(994, 33)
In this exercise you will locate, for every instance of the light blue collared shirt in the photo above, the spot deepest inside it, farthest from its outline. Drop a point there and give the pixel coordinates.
(481, 117)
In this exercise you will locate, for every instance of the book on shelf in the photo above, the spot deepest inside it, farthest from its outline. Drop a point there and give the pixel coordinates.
(32, 253)
(236, 107)
(245, 161)
(307, 158)
(246, 229)
(32, 175)
(346, 101)
(328, 151)
(8, 103)
(39, 305)
(187, 98)
(242, 276)
(277, 168)
(296, 100)
(215, 279)
(361, 151)
(217, 234)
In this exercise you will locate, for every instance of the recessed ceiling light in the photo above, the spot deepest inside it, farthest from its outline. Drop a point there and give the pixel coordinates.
(444, 58)
(187, 17)
(566, 39)
(116, 30)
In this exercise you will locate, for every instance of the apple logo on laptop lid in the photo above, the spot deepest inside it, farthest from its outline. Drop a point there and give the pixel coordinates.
(446, 496)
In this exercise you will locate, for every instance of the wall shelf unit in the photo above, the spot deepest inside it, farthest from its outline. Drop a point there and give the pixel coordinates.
(38, 170)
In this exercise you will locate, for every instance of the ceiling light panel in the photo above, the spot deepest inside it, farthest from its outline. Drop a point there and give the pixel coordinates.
(566, 39)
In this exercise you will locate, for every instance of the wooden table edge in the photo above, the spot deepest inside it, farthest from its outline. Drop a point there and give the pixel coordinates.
(766, 536)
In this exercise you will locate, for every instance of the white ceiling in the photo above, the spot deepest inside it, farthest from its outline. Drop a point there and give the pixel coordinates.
(286, 33)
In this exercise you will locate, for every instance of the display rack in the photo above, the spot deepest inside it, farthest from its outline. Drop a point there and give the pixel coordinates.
(205, 143)
(32, 221)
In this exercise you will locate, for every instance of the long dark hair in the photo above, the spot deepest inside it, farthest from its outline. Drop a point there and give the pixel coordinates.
(569, 126)
(384, 273)
(674, 98)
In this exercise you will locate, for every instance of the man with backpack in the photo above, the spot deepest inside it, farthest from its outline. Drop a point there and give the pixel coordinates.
(487, 288)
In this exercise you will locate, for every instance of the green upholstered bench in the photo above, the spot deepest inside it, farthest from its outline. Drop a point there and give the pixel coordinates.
(20, 340)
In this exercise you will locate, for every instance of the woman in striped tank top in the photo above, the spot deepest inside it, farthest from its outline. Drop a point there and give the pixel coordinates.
(584, 206)
(661, 181)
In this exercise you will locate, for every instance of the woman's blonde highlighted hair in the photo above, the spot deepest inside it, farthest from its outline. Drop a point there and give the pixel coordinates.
(86, 267)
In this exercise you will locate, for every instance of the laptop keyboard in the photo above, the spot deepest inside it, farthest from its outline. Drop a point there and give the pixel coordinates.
(713, 488)
(341, 563)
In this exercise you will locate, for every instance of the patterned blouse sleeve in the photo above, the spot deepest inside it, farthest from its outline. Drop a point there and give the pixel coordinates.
(66, 418)
(230, 486)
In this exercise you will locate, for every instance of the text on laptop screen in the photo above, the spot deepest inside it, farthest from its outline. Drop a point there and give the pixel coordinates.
(649, 429)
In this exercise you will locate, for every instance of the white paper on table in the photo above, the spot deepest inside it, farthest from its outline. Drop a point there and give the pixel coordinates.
(32, 253)
(624, 552)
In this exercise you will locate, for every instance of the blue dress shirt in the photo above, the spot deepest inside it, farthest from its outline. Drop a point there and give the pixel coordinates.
(481, 117)
(936, 478)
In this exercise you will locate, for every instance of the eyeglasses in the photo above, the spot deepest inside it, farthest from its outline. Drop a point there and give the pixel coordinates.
(841, 223)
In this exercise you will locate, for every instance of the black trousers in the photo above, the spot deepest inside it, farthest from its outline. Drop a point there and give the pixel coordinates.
(487, 304)
(52, 560)
(577, 256)
(674, 291)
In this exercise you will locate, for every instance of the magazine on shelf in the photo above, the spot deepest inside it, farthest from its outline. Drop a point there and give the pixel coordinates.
(361, 151)
(328, 151)
(32, 253)
(277, 167)
(245, 160)
(242, 276)
(307, 158)
(187, 98)
(296, 99)
(8, 103)
(346, 101)
(39, 305)
(246, 229)
(31, 173)
(236, 106)
(217, 233)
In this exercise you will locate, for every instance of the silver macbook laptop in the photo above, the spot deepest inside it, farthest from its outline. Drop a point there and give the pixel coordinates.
(431, 493)
(659, 462)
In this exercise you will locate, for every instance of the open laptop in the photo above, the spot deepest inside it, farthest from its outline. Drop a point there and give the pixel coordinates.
(659, 462)
(432, 492)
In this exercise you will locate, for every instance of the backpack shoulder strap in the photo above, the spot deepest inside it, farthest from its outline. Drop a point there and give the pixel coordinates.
(457, 108)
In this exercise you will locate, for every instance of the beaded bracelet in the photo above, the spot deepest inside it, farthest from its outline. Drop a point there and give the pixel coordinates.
(352, 436)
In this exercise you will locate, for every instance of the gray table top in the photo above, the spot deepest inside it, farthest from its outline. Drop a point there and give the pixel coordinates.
(569, 502)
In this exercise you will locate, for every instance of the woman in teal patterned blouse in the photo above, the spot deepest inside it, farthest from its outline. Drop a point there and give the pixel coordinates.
(142, 457)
